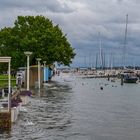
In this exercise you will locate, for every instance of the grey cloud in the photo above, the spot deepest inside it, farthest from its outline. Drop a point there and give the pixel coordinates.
(81, 20)
(37, 5)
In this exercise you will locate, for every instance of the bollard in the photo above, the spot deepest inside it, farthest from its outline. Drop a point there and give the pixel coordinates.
(121, 80)
(108, 77)
(14, 114)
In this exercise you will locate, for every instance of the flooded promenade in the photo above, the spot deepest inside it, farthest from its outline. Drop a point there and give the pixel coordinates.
(77, 109)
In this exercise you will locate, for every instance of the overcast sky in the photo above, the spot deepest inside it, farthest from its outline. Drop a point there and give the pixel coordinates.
(82, 20)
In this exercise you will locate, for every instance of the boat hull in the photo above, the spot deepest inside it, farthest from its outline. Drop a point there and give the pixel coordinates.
(130, 80)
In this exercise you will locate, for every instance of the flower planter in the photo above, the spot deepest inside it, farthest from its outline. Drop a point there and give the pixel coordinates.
(25, 93)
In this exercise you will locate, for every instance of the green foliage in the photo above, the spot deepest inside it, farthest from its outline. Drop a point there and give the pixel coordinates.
(38, 35)
(4, 81)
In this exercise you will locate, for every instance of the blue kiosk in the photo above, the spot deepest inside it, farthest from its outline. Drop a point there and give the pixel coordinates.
(48, 73)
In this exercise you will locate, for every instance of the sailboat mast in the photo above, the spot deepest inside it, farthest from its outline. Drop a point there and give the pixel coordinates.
(104, 65)
(124, 49)
(101, 57)
(96, 60)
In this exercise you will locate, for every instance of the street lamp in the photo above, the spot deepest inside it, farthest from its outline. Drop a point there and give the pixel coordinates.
(44, 62)
(38, 60)
(28, 55)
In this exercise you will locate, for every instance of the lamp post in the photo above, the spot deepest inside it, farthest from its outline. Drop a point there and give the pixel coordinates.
(38, 60)
(44, 62)
(28, 55)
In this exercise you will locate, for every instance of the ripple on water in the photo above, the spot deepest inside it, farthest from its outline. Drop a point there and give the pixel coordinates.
(79, 110)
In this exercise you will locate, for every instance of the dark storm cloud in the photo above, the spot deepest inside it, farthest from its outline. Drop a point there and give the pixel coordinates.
(82, 20)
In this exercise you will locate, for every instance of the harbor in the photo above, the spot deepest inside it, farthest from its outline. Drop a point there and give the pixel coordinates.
(71, 107)
(69, 70)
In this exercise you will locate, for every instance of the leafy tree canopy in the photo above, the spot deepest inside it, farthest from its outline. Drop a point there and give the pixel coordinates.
(38, 35)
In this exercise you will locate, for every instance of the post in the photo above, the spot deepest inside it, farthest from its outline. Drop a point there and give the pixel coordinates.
(28, 68)
(121, 80)
(9, 85)
(28, 72)
(108, 77)
(38, 60)
(44, 71)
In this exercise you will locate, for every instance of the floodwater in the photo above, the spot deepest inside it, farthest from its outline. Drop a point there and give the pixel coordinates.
(77, 109)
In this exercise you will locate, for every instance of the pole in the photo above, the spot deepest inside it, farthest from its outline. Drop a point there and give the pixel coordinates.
(9, 85)
(28, 72)
(38, 60)
(121, 80)
(28, 67)
(96, 60)
(44, 71)
(100, 47)
(125, 40)
(39, 74)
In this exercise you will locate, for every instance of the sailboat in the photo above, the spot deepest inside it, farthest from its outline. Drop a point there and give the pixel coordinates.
(128, 75)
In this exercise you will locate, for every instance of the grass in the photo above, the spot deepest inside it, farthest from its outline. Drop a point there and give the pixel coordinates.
(6, 77)
(4, 81)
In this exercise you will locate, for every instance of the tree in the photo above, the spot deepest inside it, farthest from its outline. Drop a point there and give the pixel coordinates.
(38, 35)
